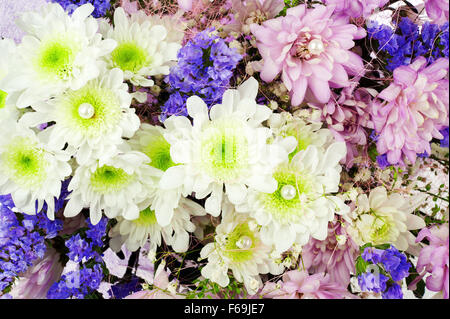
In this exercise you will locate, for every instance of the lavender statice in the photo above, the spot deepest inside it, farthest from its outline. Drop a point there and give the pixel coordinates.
(77, 284)
(444, 141)
(20, 243)
(408, 42)
(101, 6)
(205, 67)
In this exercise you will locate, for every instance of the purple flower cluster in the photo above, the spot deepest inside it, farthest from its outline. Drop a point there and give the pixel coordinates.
(101, 6)
(392, 264)
(444, 141)
(80, 283)
(77, 284)
(407, 42)
(20, 243)
(205, 67)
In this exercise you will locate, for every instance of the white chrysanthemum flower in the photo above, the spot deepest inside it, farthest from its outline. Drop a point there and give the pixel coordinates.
(91, 120)
(384, 219)
(150, 141)
(119, 186)
(29, 170)
(143, 48)
(58, 52)
(303, 203)
(227, 147)
(135, 233)
(284, 124)
(238, 246)
(8, 65)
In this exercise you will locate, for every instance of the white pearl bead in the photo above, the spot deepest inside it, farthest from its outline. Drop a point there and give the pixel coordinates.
(288, 192)
(315, 47)
(244, 242)
(86, 110)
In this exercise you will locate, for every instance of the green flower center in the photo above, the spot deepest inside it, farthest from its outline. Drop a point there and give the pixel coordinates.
(129, 56)
(109, 179)
(147, 217)
(232, 247)
(224, 152)
(105, 103)
(281, 208)
(24, 162)
(56, 56)
(3, 96)
(303, 140)
(158, 149)
(380, 230)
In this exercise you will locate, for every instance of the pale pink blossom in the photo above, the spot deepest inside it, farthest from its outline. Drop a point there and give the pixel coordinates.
(336, 255)
(37, 280)
(311, 50)
(437, 10)
(300, 285)
(414, 109)
(434, 260)
(356, 8)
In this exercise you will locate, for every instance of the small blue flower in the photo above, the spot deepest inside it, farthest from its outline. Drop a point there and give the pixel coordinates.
(101, 6)
(372, 282)
(393, 292)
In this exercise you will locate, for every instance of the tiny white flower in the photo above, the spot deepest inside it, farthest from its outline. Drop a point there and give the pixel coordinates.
(143, 48)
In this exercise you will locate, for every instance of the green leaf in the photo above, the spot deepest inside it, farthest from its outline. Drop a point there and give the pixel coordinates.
(361, 265)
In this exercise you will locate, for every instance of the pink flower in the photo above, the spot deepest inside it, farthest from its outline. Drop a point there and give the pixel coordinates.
(337, 258)
(311, 49)
(186, 5)
(356, 8)
(161, 290)
(415, 108)
(130, 7)
(437, 10)
(253, 11)
(434, 259)
(347, 117)
(300, 285)
(38, 279)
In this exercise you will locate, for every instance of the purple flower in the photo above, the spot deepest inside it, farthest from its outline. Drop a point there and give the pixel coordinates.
(375, 282)
(101, 6)
(372, 254)
(80, 249)
(444, 141)
(395, 263)
(356, 8)
(437, 10)
(393, 292)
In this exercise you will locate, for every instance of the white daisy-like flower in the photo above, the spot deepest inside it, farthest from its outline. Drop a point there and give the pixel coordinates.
(238, 247)
(91, 120)
(29, 170)
(284, 124)
(119, 186)
(135, 233)
(384, 219)
(303, 203)
(143, 48)
(58, 52)
(228, 146)
(8, 65)
(150, 141)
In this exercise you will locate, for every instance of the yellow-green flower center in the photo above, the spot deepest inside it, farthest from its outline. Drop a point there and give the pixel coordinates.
(381, 230)
(106, 110)
(147, 217)
(56, 56)
(233, 248)
(3, 96)
(129, 56)
(287, 208)
(303, 140)
(158, 149)
(224, 151)
(109, 179)
(24, 162)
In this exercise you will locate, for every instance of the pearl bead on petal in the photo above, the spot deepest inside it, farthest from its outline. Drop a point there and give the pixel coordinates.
(86, 110)
(244, 242)
(315, 47)
(288, 192)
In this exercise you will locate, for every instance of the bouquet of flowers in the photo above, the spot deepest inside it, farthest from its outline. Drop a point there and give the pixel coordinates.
(224, 149)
